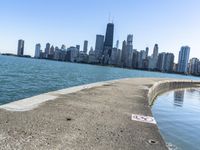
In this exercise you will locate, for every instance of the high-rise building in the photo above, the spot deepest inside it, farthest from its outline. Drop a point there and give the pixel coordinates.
(51, 53)
(165, 62)
(20, 49)
(147, 52)
(130, 41)
(141, 58)
(155, 51)
(78, 47)
(119, 54)
(113, 59)
(184, 54)
(135, 58)
(117, 44)
(73, 54)
(47, 50)
(92, 58)
(63, 47)
(37, 50)
(99, 46)
(161, 61)
(123, 57)
(52, 50)
(57, 53)
(152, 65)
(85, 47)
(193, 67)
(129, 51)
(169, 62)
(108, 44)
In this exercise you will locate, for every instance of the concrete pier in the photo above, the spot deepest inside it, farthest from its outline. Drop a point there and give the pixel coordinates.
(96, 116)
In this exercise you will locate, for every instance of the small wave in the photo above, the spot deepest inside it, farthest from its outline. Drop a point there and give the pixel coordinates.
(171, 146)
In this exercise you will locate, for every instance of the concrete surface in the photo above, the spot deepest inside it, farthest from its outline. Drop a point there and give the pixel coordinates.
(98, 117)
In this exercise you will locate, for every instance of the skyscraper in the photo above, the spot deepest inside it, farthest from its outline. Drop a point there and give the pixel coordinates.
(147, 51)
(141, 58)
(161, 61)
(154, 58)
(123, 57)
(155, 51)
(117, 44)
(169, 62)
(47, 50)
(73, 54)
(20, 49)
(193, 67)
(129, 50)
(78, 47)
(85, 47)
(130, 41)
(135, 58)
(99, 46)
(52, 50)
(183, 59)
(63, 47)
(37, 50)
(113, 59)
(108, 44)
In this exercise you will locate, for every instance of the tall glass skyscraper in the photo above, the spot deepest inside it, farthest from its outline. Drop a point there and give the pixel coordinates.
(183, 59)
(129, 50)
(47, 50)
(155, 51)
(85, 47)
(99, 45)
(108, 44)
(37, 50)
(20, 49)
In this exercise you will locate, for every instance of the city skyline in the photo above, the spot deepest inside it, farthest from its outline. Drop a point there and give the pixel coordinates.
(127, 57)
(170, 24)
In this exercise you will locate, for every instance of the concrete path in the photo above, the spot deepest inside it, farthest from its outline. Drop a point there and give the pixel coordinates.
(98, 118)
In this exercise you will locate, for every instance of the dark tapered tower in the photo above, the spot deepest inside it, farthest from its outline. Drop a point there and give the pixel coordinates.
(108, 44)
(20, 49)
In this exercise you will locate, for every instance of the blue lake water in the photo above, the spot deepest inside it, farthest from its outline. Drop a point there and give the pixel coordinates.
(23, 77)
(178, 117)
(177, 113)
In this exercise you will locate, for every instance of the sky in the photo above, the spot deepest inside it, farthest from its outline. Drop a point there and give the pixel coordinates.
(170, 23)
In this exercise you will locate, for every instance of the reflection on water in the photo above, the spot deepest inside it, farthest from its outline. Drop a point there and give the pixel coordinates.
(178, 98)
(177, 114)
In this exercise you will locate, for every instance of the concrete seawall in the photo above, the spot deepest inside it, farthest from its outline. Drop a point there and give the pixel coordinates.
(108, 115)
(168, 85)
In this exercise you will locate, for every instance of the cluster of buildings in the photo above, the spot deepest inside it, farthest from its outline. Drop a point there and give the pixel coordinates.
(105, 53)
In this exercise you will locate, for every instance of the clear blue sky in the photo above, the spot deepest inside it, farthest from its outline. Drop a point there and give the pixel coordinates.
(170, 23)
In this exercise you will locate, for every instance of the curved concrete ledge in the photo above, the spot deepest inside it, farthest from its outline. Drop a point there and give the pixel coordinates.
(168, 85)
(33, 102)
(158, 87)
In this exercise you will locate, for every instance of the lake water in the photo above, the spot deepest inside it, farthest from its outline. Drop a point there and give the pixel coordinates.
(23, 77)
(178, 117)
(177, 113)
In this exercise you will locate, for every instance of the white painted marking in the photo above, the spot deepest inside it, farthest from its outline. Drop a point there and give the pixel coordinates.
(145, 119)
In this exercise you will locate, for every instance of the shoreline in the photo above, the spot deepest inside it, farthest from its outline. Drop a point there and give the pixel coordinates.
(112, 66)
(33, 102)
